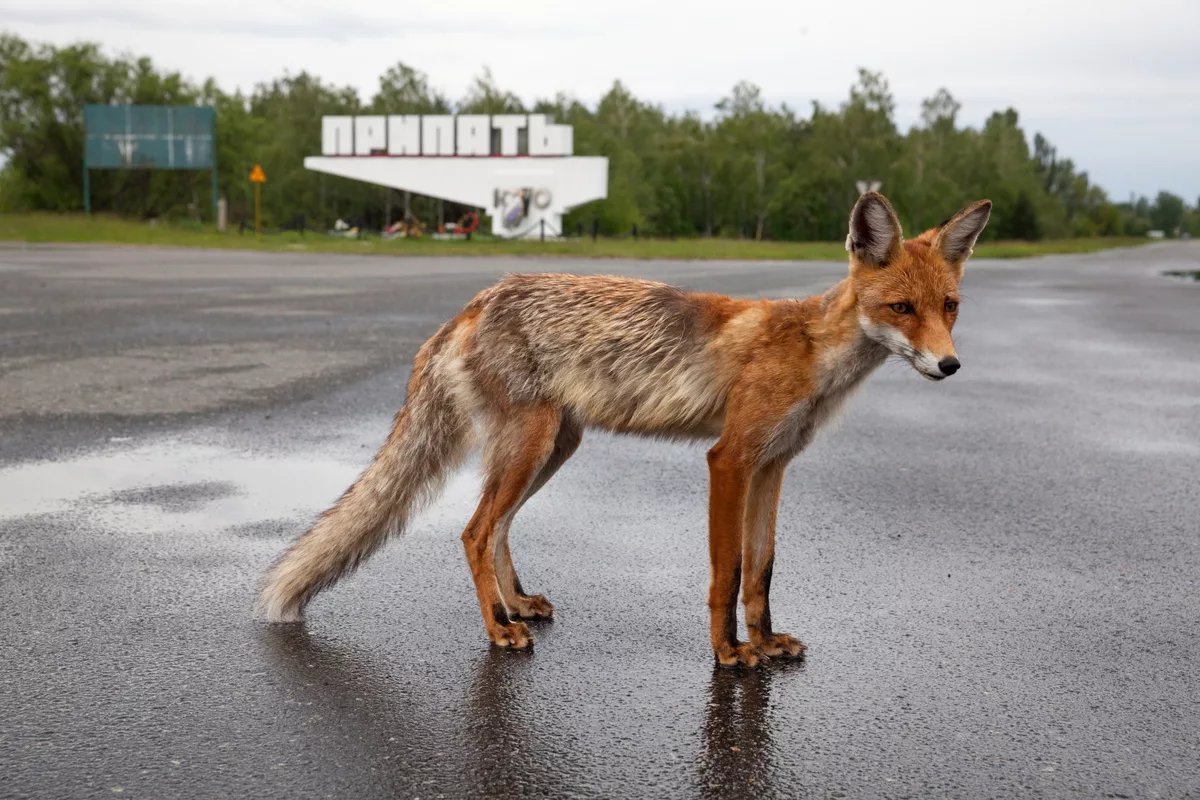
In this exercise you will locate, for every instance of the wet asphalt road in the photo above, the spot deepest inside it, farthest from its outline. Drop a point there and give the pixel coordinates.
(996, 575)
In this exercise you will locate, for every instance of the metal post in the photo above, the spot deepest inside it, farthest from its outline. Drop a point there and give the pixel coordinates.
(542, 224)
(595, 228)
(87, 185)
(215, 198)
(258, 210)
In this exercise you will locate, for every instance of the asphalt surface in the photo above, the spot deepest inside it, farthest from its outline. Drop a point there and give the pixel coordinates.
(996, 575)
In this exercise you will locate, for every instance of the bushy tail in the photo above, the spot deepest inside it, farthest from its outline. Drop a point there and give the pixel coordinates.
(426, 442)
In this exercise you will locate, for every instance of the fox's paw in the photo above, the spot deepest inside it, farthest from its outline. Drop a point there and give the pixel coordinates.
(531, 606)
(738, 655)
(514, 635)
(782, 645)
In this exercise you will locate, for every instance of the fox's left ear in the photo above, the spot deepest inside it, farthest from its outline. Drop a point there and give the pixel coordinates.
(956, 236)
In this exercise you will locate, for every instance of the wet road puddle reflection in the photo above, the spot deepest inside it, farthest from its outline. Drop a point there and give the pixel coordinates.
(1184, 274)
(196, 486)
(486, 729)
(169, 482)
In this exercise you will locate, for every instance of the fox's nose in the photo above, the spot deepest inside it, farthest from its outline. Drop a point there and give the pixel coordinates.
(949, 365)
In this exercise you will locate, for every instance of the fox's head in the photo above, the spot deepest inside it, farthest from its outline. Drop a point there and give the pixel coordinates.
(907, 291)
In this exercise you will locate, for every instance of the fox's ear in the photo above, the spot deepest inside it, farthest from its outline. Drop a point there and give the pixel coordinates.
(875, 235)
(956, 236)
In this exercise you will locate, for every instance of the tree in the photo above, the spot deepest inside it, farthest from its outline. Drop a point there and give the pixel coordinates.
(939, 112)
(42, 94)
(748, 136)
(404, 90)
(1167, 213)
(1022, 221)
(485, 97)
(752, 170)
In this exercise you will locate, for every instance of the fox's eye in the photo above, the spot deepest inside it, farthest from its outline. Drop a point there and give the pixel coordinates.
(952, 306)
(902, 308)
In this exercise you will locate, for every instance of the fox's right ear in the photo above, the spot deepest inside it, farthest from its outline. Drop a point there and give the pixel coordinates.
(875, 234)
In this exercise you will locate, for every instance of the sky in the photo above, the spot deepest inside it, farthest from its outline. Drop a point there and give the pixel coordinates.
(1114, 84)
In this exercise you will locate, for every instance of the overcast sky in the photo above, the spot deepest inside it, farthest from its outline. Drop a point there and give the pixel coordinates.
(1115, 84)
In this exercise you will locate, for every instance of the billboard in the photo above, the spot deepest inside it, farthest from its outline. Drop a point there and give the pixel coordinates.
(148, 137)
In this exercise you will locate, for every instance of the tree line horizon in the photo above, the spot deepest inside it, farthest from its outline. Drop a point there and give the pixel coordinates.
(752, 170)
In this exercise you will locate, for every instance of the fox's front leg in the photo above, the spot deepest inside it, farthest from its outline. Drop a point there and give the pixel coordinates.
(730, 469)
(758, 561)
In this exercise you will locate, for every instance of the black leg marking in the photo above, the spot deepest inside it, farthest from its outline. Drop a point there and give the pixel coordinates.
(764, 624)
(731, 606)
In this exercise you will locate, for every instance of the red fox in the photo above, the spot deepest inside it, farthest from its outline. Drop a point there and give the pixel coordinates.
(533, 360)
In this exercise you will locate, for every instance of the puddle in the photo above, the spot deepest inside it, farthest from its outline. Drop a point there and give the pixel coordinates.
(1184, 274)
(173, 479)
(171, 487)
(176, 497)
(265, 529)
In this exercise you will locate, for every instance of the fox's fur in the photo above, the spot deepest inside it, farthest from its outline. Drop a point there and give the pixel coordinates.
(535, 359)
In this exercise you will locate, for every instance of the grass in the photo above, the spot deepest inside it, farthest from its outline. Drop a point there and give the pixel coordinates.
(78, 229)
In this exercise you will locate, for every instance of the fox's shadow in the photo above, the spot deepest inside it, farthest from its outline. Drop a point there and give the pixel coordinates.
(493, 741)
(484, 744)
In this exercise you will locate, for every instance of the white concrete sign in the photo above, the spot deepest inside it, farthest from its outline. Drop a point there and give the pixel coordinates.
(445, 135)
(519, 168)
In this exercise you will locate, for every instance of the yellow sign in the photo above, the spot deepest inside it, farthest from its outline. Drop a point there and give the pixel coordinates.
(258, 178)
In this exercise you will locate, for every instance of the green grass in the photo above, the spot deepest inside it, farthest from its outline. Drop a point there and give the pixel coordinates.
(100, 229)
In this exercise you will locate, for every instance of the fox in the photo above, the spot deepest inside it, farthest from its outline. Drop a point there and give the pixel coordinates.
(536, 359)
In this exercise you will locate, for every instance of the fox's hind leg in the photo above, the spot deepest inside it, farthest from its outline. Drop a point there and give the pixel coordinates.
(520, 604)
(519, 446)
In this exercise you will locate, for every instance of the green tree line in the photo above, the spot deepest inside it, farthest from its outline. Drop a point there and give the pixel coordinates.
(751, 170)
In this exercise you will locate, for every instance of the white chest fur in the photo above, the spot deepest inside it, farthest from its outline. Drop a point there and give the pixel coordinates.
(841, 372)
